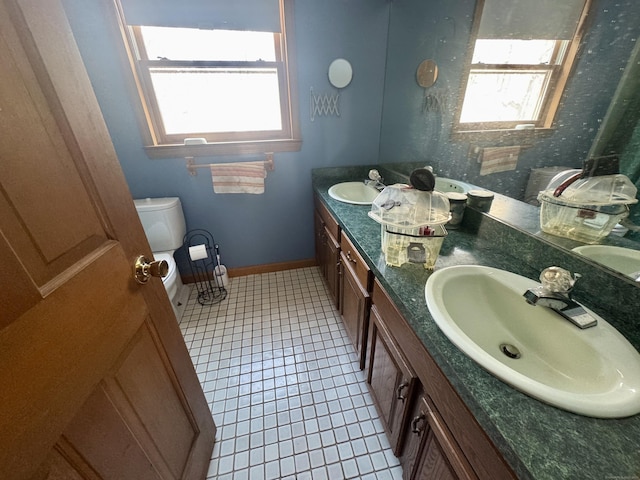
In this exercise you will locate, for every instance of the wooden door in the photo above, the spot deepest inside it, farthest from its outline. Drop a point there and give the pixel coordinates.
(95, 378)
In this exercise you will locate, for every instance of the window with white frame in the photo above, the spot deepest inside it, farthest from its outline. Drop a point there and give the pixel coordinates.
(198, 76)
(522, 54)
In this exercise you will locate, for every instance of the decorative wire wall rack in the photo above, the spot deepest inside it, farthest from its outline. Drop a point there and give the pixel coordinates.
(324, 104)
(208, 284)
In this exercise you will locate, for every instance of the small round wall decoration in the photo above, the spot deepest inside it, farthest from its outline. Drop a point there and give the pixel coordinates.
(427, 73)
(340, 73)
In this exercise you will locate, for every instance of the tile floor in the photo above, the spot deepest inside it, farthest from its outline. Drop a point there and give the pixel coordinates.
(283, 384)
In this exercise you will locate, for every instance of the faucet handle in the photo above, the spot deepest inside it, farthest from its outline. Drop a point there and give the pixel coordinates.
(558, 280)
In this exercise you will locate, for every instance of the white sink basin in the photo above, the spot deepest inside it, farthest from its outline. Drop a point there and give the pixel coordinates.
(623, 260)
(448, 185)
(593, 372)
(356, 193)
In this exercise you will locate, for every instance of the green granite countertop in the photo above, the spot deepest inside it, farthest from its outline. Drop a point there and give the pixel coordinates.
(538, 441)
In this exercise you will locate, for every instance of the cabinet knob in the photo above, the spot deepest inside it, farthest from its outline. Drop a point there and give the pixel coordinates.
(417, 425)
(399, 390)
(350, 258)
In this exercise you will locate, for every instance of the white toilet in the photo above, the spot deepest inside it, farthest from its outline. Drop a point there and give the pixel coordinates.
(164, 225)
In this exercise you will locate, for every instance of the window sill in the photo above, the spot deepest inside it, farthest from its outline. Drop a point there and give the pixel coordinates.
(232, 148)
(499, 137)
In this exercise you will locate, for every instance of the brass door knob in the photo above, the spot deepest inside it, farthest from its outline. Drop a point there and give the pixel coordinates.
(144, 269)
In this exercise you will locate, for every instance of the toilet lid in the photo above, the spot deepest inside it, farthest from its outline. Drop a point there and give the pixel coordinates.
(170, 260)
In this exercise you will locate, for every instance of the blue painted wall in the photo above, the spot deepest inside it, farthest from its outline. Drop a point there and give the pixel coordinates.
(381, 118)
(276, 226)
(440, 30)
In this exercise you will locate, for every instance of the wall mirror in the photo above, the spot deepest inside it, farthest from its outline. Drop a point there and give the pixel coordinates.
(598, 110)
(340, 73)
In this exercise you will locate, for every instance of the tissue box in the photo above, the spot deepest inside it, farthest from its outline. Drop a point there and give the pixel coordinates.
(412, 245)
(585, 223)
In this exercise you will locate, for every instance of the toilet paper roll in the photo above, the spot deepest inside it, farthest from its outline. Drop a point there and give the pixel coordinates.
(198, 252)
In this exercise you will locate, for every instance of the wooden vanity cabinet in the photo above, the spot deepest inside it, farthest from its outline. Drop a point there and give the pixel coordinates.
(451, 444)
(327, 249)
(391, 381)
(355, 299)
(409, 389)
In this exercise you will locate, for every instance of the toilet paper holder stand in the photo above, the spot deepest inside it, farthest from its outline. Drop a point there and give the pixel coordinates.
(199, 246)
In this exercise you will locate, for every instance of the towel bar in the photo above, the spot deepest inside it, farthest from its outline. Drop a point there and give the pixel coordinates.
(269, 165)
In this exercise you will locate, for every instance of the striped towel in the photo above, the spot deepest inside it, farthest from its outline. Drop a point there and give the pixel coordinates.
(499, 159)
(241, 177)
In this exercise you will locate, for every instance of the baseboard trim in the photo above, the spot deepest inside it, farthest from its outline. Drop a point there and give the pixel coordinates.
(271, 267)
(256, 269)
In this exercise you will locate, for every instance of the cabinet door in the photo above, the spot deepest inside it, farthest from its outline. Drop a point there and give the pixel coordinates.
(328, 257)
(318, 225)
(332, 265)
(355, 302)
(390, 379)
(437, 454)
(328, 249)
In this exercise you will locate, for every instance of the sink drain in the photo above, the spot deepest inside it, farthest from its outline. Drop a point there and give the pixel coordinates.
(510, 351)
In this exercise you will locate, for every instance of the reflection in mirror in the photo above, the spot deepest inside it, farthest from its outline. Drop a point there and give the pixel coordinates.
(619, 259)
(427, 73)
(522, 53)
(442, 31)
(620, 131)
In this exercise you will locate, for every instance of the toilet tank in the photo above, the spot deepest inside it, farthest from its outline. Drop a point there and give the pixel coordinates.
(163, 222)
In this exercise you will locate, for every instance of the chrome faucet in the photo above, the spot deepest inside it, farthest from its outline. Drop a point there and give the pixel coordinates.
(375, 179)
(555, 293)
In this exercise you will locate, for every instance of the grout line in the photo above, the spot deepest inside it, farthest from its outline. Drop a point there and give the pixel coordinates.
(283, 384)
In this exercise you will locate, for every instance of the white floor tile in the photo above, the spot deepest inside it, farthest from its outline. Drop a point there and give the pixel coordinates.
(284, 385)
